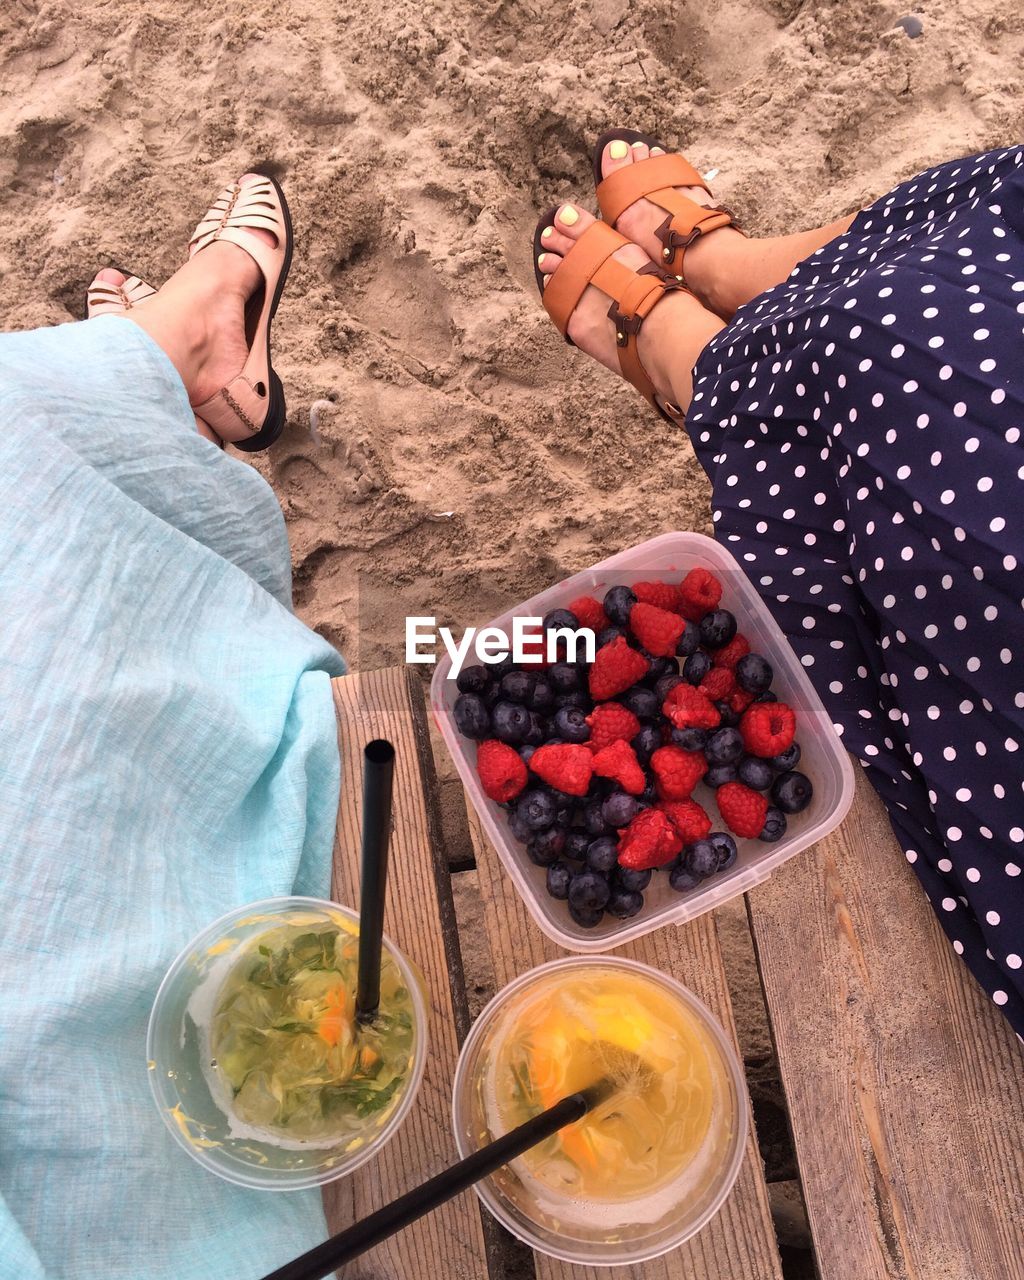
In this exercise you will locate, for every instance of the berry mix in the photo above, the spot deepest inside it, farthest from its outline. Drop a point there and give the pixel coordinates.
(597, 764)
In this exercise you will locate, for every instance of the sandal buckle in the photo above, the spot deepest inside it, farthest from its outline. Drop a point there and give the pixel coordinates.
(625, 326)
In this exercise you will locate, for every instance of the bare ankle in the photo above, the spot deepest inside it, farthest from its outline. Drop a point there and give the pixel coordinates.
(713, 265)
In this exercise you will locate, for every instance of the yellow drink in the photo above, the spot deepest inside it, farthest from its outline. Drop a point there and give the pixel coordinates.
(565, 1034)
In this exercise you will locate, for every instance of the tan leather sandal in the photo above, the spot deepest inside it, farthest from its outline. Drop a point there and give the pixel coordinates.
(103, 298)
(633, 295)
(655, 179)
(250, 411)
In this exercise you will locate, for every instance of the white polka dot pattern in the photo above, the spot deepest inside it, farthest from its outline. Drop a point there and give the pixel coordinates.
(869, 475)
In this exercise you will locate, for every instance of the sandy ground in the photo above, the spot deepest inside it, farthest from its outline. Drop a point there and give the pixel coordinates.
(416, 144)
(460, 454)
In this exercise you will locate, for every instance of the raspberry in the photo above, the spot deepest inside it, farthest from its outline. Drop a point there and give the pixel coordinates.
(719, 683)
(618, 761)
(729, 654)
(501, 770)
(740, 700)
(699, 592)
(656, 629)
(688, 708)
(609, 722)
(566, 766)
(615, 668)
(743, 810)
(589, 612)
(688, 818)
(649, 841)
(768, 728)
(664, 595)
(677, 772)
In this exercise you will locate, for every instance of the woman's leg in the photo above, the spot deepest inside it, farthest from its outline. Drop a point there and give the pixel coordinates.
(725, 268)
(672, 336)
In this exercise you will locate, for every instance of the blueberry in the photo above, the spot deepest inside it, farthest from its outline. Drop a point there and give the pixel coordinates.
(577, 698)
(538, 730)
(650, 792)
(724, 746)
(659, 668)
(753, 673)
(725, 849)
(607, 636)
(501, 669)
(559, 876)
(472, 680)
(603, 854)
(560, 618)
(774, 825)
(637, 881)
(586, 919)
(511, 722)
(543, 699)
(665, 686)
(696, 666)
(624, 903)
(700, 859)
(491, 695)
(680, 879)
(786, 760)
(518, 686)
(756, 773)
(520, 828)
(546, 846)
(577, 843)
(689, 641)
(536, 808)
(717, 628)
(589, 891)
(690, 738)
(593, 818)
(643, 702)
(526, 754)
(471, 717)
(792, 792)
(718, 775)
(728, 719)
(767, 696)
(618, 810)
(646, 742)
(563, 677)
(618, 603)
(570, 723)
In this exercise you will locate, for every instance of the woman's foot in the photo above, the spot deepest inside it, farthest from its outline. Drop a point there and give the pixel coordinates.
(710, 259)
(671, 337)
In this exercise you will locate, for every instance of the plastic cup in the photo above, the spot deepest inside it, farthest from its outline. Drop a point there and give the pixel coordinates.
(177, 1045)
(603, 1233)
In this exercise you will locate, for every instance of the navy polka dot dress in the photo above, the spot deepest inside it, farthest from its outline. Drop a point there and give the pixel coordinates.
(863, 428)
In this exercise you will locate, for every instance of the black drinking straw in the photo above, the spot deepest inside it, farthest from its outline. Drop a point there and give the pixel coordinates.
(378, 779)
(354, 1240)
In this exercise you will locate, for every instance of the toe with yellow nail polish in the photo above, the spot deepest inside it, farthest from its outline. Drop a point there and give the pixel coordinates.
(618, 149)
(639, 144)
(568, 216)
(547, 233)
(540, 259)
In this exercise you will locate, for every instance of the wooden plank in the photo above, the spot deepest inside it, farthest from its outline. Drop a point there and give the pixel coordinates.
(738, 1244)
(420, 917)
(904, 1084)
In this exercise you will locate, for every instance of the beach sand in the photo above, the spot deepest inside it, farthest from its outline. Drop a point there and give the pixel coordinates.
(446, 452)
(465, 455)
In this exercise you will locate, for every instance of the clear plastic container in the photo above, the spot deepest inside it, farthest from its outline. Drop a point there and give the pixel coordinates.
(660, 1223)
(178, 1040)
(824, 758)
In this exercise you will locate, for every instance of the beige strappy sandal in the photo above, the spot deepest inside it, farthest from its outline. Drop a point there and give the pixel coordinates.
(250, 411)
(103, 298)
